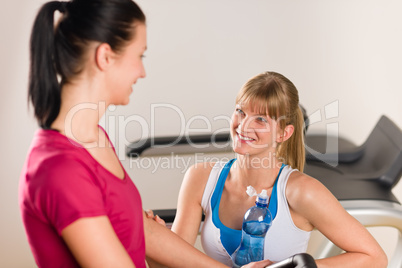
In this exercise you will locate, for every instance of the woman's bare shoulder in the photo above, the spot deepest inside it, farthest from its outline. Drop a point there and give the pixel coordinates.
(197, 175)
(201, 168)
(302, 189)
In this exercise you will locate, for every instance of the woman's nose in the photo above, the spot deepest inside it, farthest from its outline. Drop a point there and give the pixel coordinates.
(244, 125)
(240, 127)
(143, 73)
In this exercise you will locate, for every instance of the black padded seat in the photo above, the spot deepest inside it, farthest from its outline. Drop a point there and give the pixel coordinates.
(346, 151)
(375, 169)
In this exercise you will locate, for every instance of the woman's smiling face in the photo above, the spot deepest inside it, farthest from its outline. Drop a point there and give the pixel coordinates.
(252, 132)
(129, 67)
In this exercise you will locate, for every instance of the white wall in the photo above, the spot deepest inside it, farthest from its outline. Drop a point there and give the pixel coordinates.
(200, 54)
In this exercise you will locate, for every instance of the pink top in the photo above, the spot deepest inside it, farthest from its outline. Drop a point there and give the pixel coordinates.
(60, 183)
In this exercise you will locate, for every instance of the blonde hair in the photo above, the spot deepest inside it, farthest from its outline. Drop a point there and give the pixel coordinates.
(273, 94)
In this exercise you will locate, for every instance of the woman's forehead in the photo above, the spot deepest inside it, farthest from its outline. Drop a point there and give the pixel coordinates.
(255, 106)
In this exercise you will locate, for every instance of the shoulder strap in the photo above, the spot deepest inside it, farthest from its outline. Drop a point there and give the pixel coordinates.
(273, 199)
(211, 185)
(216, 197)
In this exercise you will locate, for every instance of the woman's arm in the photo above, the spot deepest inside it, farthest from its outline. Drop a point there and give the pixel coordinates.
(165, 247)
(189, 211)
(94, 243)
(186, 225)
(314, 202)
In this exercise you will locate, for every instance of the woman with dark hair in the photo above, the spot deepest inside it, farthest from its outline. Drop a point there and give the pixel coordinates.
(78, 204)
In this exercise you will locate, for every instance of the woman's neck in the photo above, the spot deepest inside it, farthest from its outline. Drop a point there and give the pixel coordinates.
(80, 112)
(259, 172)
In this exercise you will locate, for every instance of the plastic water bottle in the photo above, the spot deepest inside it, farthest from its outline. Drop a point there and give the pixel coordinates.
(256, 223)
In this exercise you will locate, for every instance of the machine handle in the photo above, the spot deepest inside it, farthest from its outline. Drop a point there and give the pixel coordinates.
(301, 260)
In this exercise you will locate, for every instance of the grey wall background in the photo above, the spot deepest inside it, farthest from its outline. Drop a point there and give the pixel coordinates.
(342, 55)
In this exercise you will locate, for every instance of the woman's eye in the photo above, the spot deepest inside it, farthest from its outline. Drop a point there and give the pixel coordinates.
(239, 111)
(262, 119)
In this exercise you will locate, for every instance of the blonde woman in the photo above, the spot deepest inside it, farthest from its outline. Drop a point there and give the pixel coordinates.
(267, 135)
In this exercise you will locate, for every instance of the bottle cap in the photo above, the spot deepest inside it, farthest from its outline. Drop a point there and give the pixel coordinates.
(251, 191)
(262, 198)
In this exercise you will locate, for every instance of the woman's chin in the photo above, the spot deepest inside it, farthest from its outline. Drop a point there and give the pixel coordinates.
(240, 148)
(123, 102)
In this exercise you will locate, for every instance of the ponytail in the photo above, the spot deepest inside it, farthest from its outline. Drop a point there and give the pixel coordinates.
(44, 88)
(292, 151)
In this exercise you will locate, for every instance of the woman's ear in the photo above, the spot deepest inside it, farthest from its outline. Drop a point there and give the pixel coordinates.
(104, 56)
(285, 134)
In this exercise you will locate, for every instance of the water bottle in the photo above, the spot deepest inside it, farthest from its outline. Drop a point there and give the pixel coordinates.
(256, 223)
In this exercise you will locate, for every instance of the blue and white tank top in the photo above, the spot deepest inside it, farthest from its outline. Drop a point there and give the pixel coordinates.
(283, 239)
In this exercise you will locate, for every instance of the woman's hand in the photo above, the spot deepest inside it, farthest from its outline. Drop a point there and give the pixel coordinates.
(258, 264)
(150, 215)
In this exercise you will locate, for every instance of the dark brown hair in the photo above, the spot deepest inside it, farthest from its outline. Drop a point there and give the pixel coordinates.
(57, 53)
